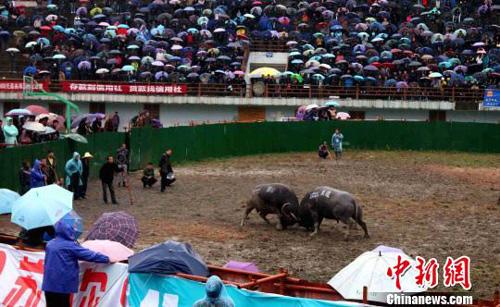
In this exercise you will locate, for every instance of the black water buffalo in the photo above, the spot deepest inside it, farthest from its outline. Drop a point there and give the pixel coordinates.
(272, 198)
(325, 202)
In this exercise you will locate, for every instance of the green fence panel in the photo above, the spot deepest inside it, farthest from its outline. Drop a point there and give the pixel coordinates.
(225, 140)
(12, 158)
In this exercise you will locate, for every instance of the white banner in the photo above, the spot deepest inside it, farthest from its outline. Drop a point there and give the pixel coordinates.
(21, 275)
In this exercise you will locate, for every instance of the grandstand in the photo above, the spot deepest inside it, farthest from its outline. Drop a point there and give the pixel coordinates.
(201, 61)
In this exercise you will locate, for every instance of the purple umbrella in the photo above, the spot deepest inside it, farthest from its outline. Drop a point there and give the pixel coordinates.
(243, 266)
(115, 226)
(161, 74)
(84, 65)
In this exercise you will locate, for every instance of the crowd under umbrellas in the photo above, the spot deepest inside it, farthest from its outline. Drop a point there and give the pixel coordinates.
(335, 42)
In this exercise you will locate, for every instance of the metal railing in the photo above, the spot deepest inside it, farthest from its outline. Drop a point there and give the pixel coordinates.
(450, 94)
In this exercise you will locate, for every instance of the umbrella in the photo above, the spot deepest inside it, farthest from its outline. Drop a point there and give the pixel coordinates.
(128, 68)
(115, 226)
(435, 75)
(36, 109)
(332, 104)
(264, 71)
(342, 116)
(12, 50)
(370, 270)
(19, 112)
(243, 266)
(102, 71)
(76, 137)
(168, 258)
(114, 250)
(42, 206)
(7, 198)
(34, 126)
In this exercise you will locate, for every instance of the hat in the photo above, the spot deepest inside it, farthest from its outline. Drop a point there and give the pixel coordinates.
(87, 155)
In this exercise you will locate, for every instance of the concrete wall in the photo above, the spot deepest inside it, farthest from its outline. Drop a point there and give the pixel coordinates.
(171, 115)
(396, 114)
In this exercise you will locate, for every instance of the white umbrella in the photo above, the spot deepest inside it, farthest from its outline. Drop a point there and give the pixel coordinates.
(342, 115)
(49, 116)
(34, 126)
(370, 270)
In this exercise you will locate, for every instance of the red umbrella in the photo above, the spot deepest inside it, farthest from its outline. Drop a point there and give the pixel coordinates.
(37, 110)
(45, 28)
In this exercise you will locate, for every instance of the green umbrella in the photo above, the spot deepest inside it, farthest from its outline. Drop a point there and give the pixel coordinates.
(297, 77)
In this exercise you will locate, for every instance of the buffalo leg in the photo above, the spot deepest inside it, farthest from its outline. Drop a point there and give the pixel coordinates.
(317, 223)
(363, 225)
(245, 215)
(263, 216)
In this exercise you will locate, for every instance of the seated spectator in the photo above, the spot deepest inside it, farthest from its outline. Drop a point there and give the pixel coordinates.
(148, 178)
(323, 151)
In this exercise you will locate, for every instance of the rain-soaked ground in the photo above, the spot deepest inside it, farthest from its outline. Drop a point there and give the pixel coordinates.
(428, 204)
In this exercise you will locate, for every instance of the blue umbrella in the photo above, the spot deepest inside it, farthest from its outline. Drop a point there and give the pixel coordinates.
(42, 206)
(168, 258)
(29, 71)
(74, 221)
(7, 197)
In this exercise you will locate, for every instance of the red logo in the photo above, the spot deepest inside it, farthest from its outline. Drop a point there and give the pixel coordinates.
(398, 270)
(457, 271)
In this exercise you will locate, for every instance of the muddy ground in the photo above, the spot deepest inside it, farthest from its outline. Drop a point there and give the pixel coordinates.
(428, 204)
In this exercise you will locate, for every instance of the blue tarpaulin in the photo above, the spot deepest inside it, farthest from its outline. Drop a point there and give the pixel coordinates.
(168, 258)
(155, 291)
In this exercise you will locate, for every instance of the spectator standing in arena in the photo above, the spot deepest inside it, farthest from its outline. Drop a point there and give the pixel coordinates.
(51, 168)
(38, 179)
(24, 178)
(122, 161)
(323, 151)
(73, 170)
(116, 121)
(337, 138)
(10, 132)
(85, 173)
(148, 176)
(107, 174)
(166, 171)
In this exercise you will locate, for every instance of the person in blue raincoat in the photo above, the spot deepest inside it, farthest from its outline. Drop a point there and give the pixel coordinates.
(337, 138)
(37, 176)
(61, 269)
(10, 132)
(73, 170)
(216, 295)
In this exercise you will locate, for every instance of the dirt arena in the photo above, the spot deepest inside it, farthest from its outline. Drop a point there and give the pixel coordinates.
(428, 204)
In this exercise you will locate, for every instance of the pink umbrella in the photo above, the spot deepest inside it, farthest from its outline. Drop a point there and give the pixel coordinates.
(343, 115)
(37, 110)
(244, 266)
(114, 250)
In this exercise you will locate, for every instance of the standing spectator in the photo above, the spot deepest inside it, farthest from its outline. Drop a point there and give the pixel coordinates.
(24, 178)
(108, 124)
(38, 179)
(61, 269)
(51, 168)
(122, 160)
(107, 174)
(166, 171)
(85, 173)
(337, 138)
(73, 169)
(116, 121)
(10, 132)
(148, 178)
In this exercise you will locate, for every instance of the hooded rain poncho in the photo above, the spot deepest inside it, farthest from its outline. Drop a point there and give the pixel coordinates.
(37, 176)
(73, 165)
(10, 132)
(216, 295)
(61, 269)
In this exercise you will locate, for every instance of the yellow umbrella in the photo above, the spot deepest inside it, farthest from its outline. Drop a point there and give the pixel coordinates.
(265, 71)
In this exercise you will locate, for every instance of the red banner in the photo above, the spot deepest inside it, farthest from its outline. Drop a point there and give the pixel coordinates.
(17, 86)
(133, 88)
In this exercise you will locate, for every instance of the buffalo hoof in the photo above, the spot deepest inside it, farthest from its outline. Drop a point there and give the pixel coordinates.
(313, 234)
(279, 227)
(366, 236)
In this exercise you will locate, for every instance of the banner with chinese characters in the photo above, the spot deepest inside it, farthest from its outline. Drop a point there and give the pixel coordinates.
(17, 86)
(125, 88)
(21, 276)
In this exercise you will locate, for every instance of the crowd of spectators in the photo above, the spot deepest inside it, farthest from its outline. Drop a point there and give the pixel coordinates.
(337, 42)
